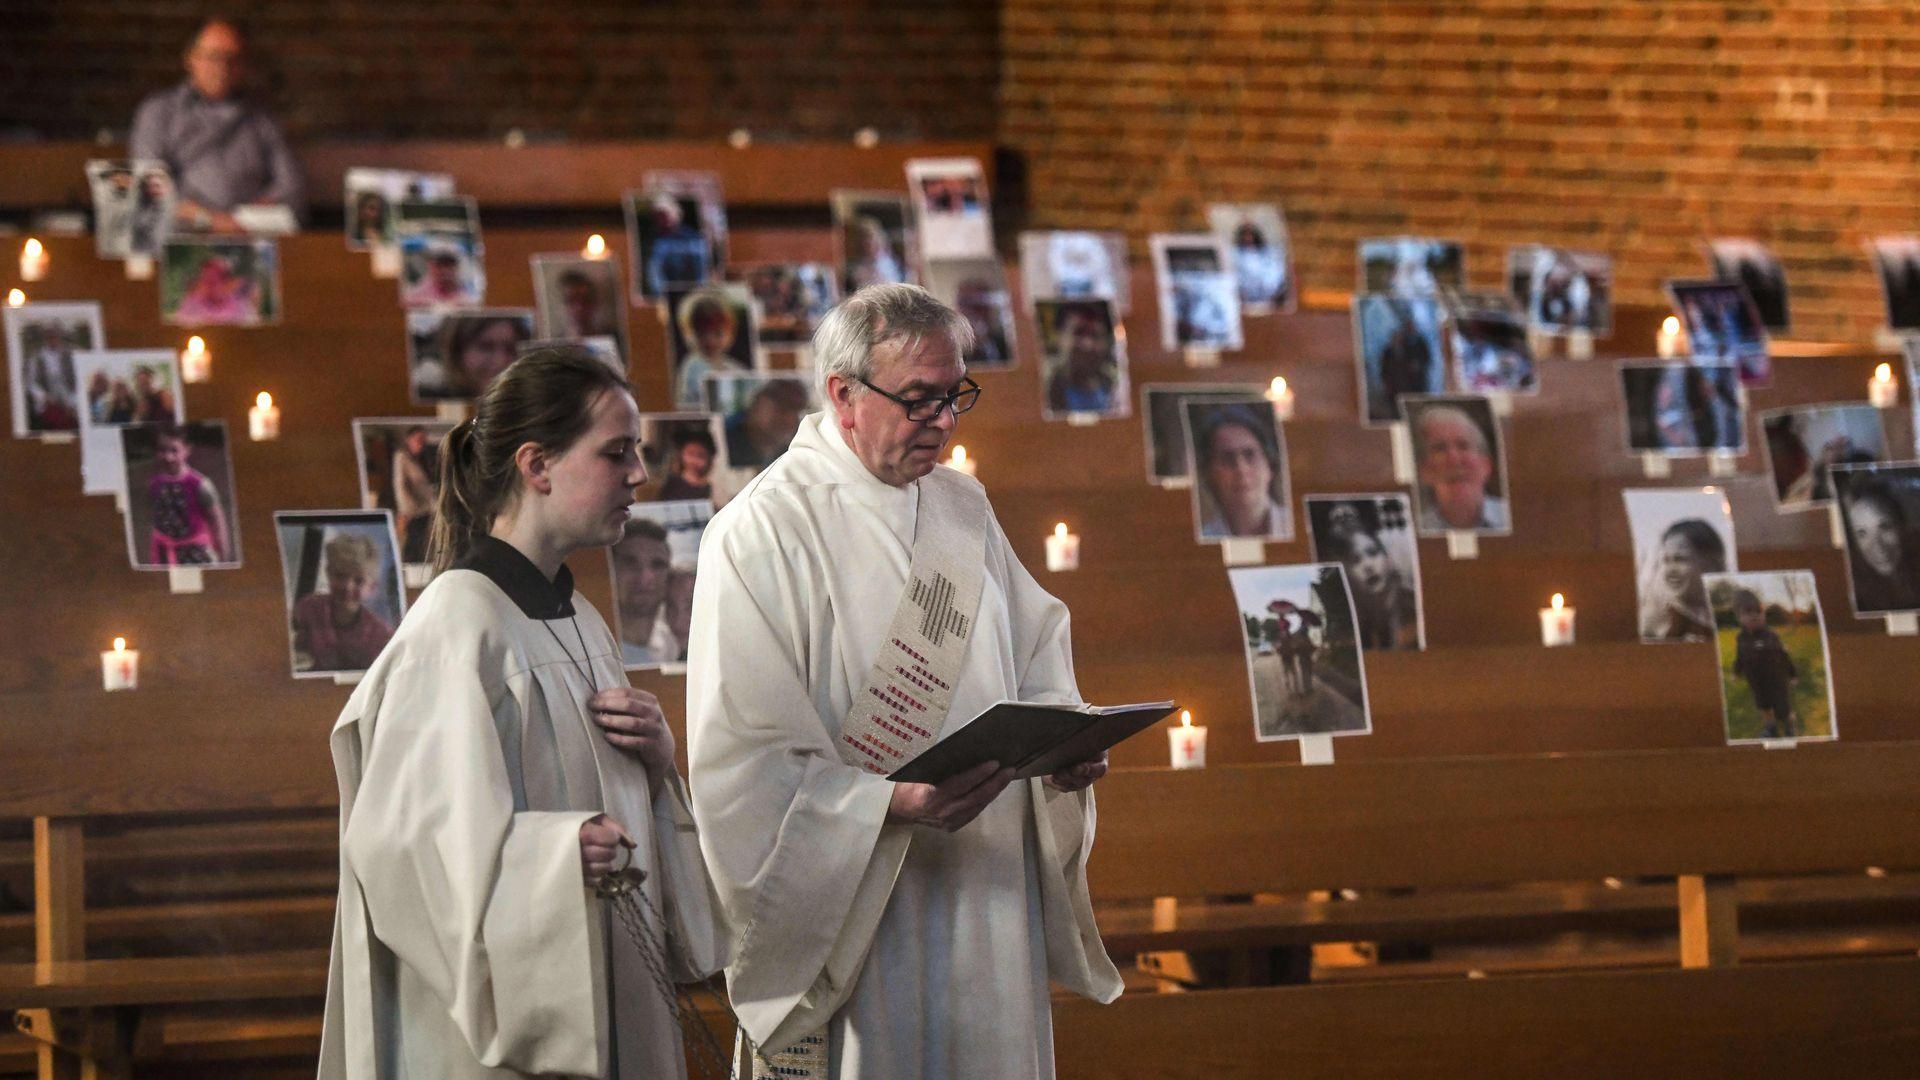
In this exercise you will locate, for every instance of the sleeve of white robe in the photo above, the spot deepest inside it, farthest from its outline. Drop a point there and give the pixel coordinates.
(488, 906)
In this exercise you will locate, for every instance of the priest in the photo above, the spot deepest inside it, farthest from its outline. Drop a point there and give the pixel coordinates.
(853, 602)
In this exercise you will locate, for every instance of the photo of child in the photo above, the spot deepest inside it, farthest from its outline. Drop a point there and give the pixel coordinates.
(1679, 536)
(343, 588)
(1774, 683)
(180, 506)
(710, 331)
(220, 283)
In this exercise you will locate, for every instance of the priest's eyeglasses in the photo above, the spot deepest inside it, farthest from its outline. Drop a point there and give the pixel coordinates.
(921, 410)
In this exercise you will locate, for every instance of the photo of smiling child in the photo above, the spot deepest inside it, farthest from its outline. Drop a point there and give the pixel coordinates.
(343, 588)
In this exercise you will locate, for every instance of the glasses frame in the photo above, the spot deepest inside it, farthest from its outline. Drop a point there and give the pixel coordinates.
(971, 391)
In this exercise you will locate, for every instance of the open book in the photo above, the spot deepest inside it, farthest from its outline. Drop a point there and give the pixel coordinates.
(1034, 739)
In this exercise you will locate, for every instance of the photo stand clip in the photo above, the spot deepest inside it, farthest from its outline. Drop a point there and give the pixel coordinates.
(1316, 749)
(416, 575)
(1836, 527)
(1241, 551)
(1580, 345)
(1500, 402)
(1903, 624)
(139, 267)
(1197, 357)
(347, 678)
(185, 579)
(1462, 544)
(1779, 744)
(59, 438)
(385, 261)
(1402, 439)
(1655, 466)
(120, 501)
(1082, 419)
(1723, 463)
(453, 412)
(675, 668)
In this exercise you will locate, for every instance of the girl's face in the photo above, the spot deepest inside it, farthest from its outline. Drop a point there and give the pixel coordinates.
(491, 352)
(1679, 564)
(695, 461)
(593, 480)
(713, 336)
(172, 455)
(1370, 568)
(1876, 536)
(347, 589)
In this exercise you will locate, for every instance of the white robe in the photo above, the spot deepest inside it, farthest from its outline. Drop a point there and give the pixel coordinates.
(466, 942)
(928, 952)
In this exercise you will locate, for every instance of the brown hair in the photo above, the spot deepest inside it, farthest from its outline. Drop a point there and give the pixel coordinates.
(545, 398)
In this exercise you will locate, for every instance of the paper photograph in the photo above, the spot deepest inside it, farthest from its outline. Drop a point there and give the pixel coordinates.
(1199, 302)
(1397, 351)
(681, 452)
(977, 289)
(399, 460)
(653, 570)
(1075, 266)
(760, 412)
(1679, 536)
(1303, 657)
(42, 340)
(454, 355)
(1241, 488)
(790, 299)
(133, 205)
(1677, 408)
(1723, 325)
(874, 241)
(1804, 441)
(1749, 263)
(181, 506)
(341, 571)
(1162, 410)
(1460, 465)
(1562, 291)
(676, 233)
(120, 387)
(1371, 537)
(577, 298)
(1897, 258)
(1256, 236)
(1411, 265)
(370, 196)
(440, 268)
(1774, 675)
(220, 283)
(1491, 353)
(710, 331)
(1879, 506)
(1084, 359)
(951, 208)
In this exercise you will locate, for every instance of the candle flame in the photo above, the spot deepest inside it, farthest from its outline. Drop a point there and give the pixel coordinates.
(1559, 601)
(1278, 387)
(15, 298)
(263, 401)
(959, 454)
(1060, 530)
(1883, 373)
(1671, 326)
(1186, 718)
(119, 644)
(32, 248)
(196, 344)
(596, 246)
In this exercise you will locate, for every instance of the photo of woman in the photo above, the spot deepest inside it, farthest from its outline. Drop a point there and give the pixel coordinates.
(1679, 535)
(1879, 505)
(1371, 537)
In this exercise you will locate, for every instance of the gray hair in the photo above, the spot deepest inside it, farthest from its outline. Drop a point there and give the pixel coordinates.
(874, 316)
(1453, 414)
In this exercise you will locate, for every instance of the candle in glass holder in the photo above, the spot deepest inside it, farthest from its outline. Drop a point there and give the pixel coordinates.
(1063, 549)
(120, 668)
(196, 363)
(33, 260)
(263, 420)
(1669, 340)
(16, 297)
(596, 247)
(1187, 743)
(960, 461)
(1556, 622)
(1281, 395)
(1882, 391)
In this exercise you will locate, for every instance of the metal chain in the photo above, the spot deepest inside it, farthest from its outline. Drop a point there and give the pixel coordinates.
(623, 891)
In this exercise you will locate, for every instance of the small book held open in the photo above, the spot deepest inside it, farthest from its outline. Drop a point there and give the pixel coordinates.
(1034, 739)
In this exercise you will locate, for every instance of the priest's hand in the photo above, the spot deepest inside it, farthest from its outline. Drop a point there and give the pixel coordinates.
(632, 721)
(953, 802)
(601, 839)
(1075, 777)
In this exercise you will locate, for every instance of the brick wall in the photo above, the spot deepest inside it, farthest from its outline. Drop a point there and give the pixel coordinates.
(1634, 128)
(459, 68)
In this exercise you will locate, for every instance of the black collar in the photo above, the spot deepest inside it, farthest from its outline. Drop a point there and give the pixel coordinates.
(524, 584)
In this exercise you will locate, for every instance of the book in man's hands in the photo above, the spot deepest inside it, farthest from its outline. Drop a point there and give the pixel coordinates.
(1031, 738)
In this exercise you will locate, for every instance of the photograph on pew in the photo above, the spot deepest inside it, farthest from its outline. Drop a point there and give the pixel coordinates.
(1879, 509)
(1397, 351)
(370, 195)
(206, 282)
(1297, 628)
(1256, 236)
(1751, 264)
(1677, 408)
(1371, 537)
(1241, 490)
(873, 239)
(121, 387)
(1774, 674)
(1679, 536)
(132, 207)
(951, 208)
(449, 213)
(710, 331)
(440, 268)
(576, 298)
(1562, 291)
(676, 233)
(652, 573)
(1722, 323)
(1897, 258)
(682, 455)
(1910, 356)
(977, 289)
(760, 412)
(454, 355)
(343, 587)
(1491, 354)
(1083, 364)
(1411, 265)
(1804, 441)
(1199, 302)
(399, 458)
(789, 300)
(42, 341)
(1460, 465)
(181, 506)
(1162, 411)
(1064, 265)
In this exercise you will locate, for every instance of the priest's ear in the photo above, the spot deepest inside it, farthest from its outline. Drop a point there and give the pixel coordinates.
(841, 391)
(535, 468)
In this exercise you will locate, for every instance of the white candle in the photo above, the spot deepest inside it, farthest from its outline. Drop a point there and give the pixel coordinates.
(33, 260)
(1281, 395)
(196, 363)
(596, 247)
(263, 420)
(120, 667)
(1063, 550)
(959, 460)
(1556, 622)
(1187, 743)
(15, 297)
(1882, 391)
(1668, 342)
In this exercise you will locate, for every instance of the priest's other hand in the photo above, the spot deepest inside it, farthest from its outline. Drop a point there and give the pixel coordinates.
(632, 721)
(953, 802)
(601, 839)
(1075, 777)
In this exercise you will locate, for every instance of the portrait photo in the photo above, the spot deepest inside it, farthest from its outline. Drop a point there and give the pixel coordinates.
(1774, 675)
(682, 455)
(1303, 656)
(710, 331)
(342, 578)
(760, 412)
(1064, 265)
(370, 195)
(1562, 291)
(455, 354)
(1199, 303)
(440, 268)
(181, 506)
(1084, 359)
(1397, 351)
(450, 213)
(652, 572)
(951, 208)
(1804, 441)
(874, 240)
(1751, 264)
(1879, 509)
(42, 341)
(1680, 535)
(133, 205)
(1169, 455)
(1722, 324)
(1411, 265)
(577, 298)
(1256, 237)
(1897, 259)
(1682, 409)
(1241, 489)
(977, 289)
(676, 232)
(1371, 537)
(790, 299)
(1491, 353)
(399, 460)
(220, 282)
(120, 387)
(1460, 465)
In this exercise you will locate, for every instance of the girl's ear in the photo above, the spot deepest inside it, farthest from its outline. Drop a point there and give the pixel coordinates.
(535, 470)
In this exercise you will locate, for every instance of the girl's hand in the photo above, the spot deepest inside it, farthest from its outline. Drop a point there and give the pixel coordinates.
(601, 839)
(632, 721)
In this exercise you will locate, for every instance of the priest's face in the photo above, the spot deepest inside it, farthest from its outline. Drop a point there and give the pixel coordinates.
(592, 481)
(894, 448)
